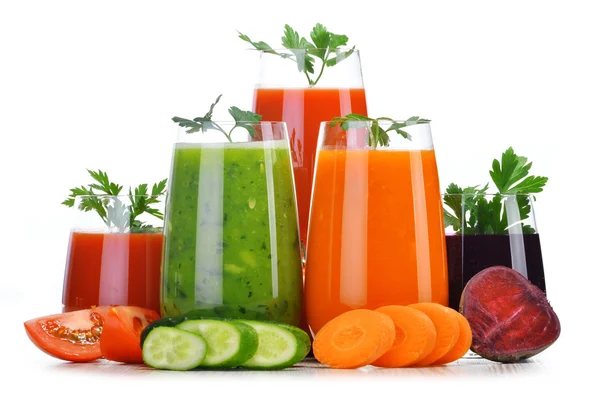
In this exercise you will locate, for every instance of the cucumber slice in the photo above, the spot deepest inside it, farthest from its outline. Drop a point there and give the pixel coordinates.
(303, 339)
(173, 349)
(230, 344)
(278, 346)
(168, 321)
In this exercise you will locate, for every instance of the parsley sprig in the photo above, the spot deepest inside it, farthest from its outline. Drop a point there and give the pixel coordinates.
(377, 134)
(510, 176)
(243, 119)
(98, 197)
(325, 46)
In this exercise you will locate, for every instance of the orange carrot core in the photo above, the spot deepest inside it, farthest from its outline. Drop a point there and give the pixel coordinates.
(348, 338)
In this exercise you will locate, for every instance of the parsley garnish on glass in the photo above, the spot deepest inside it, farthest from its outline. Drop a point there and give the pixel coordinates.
(511, 176)
(105, 198)
(312, 56)
(378, 127)
(243, 119)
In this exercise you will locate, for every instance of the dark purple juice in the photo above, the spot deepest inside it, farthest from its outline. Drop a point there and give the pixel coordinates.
(469, 254)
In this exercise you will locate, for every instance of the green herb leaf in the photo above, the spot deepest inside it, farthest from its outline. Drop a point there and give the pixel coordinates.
(489, 216)
(245, 119)
(209, 114)
(113, 211)
(510, 175)
(454, 201)
(377, 135)
(141, 202)
(158, 189)
(290, 38)
(260, 45)
(339, 57)
(345, 121)
(524, 206)
(451, 220)
(338, 41)
(321, 39)
(531, 184)
(304, 52)
(192, 126)
(104, 184)
(512, 169)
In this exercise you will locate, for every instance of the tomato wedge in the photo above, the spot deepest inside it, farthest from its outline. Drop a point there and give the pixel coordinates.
(120, 340)
(71, 336)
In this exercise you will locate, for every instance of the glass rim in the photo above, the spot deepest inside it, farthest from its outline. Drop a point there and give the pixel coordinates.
(124, 195)
(384, 122)
(253, 122)
(283, 49)
(488, 194)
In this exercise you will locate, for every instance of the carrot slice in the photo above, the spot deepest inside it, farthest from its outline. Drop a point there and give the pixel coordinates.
(415, 337)
(462, 344)
(353, 339)
(446, 328)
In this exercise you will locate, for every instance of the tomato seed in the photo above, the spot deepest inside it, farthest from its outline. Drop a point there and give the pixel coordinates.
(86, 336)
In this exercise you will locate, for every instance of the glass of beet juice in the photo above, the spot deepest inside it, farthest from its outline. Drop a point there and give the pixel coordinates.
(112, 260)
(232, 248)
(483, 230)
(302, 100)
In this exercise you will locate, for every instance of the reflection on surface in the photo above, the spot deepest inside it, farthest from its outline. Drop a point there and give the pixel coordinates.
(311, 368)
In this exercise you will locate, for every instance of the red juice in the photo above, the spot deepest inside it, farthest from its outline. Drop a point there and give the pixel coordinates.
(469, 254)
(303, 110)
(113, 269)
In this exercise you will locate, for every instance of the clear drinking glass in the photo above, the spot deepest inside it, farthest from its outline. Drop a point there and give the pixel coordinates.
(110, 260)
(232, 247)
(284, 92)
(484, 230)
(376, 232)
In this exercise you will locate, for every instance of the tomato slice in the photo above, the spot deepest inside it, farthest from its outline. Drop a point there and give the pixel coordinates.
(71, 336)
(123, 325)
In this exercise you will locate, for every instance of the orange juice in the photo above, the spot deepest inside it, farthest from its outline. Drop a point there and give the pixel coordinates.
(376, 232)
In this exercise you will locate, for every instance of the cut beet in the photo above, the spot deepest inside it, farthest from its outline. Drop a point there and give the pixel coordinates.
(510, 317)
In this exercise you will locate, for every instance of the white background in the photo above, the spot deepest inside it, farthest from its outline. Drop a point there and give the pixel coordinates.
(93, 84)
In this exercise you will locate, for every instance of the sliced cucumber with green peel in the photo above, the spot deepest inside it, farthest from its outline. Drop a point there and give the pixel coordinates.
(230, 343)
(168, 321)
(278, 346)
(303, 340)
(173, 349)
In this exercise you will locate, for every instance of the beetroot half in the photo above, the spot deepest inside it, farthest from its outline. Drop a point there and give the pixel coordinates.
(510, 317)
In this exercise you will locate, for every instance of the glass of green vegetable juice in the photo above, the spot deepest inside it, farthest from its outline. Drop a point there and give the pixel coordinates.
(232, 247)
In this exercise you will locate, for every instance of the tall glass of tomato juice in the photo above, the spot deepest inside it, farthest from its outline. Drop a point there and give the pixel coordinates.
(284, 93)
(110, 262)
(376, 233)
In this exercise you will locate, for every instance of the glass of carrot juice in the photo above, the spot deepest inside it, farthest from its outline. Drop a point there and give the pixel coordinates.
(376, 232)
(110, 260)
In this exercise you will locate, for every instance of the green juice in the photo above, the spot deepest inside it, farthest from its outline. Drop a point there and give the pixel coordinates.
(231, 240)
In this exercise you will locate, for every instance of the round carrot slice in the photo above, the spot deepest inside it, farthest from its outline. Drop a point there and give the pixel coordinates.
(415, 337)
(446, 328)
(353, 339)
(462, 344)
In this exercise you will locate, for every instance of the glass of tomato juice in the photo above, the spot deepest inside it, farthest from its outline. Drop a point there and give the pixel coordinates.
(376, 234)
(113, 258)
(284, 92)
